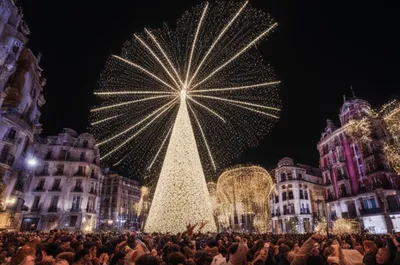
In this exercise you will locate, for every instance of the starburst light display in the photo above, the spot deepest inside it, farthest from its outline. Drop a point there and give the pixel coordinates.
(185, 100)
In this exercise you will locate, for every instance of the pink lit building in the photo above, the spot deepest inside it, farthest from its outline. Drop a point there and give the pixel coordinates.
(359, 182)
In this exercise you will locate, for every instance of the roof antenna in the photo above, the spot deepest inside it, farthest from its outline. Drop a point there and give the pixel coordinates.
(352, 91)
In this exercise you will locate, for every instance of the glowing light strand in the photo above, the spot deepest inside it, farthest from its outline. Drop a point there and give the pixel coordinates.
(158, 60)
(236, 56)
(138, 123)
(145, 71)
(207, 108)
(237, 101)
(194, 42)
(133, 136)
(104, 120)
(204, 137)
(127, 103)
(159, 150)
(236, 88)
(165, 55)
(215, 42)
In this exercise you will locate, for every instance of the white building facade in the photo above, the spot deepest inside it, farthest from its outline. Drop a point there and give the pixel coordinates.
(64, 190)
(299, 203)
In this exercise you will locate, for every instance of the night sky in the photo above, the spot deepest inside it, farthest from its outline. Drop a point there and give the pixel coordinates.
(320, 49)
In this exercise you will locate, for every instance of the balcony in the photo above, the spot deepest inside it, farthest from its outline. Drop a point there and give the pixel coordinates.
(77, 189)
(92, 191)
(287, 212)
(55, 189)
(93, 176)
(52, 209)
(90, 210)
(80, 174)
(305, 211)
(39, 189)
(276, 214)
(76, 209)
(7, 159)
(328, 182)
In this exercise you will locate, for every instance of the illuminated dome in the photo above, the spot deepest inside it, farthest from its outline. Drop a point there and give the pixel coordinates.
(244, 195)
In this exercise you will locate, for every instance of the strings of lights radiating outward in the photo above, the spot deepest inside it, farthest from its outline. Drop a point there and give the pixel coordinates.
(206, 61)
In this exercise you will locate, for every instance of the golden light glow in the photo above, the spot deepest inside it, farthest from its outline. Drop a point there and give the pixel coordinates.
(246, 190)
(141, 124)
(181, 195)
(359, 131)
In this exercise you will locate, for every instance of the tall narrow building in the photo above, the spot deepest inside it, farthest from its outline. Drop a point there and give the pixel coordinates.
(21, 86)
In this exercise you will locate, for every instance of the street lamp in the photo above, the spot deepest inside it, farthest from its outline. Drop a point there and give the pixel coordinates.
(32, 162)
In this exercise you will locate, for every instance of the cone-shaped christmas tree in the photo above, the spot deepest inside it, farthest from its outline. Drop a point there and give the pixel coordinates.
(181, 195)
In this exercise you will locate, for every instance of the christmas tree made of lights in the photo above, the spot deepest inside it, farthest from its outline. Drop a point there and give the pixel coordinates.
(181, 196)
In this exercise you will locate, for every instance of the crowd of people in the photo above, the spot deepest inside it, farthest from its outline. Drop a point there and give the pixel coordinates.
(59, 247)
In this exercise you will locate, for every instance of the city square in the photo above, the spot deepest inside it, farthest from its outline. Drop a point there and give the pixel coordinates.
(199, 135)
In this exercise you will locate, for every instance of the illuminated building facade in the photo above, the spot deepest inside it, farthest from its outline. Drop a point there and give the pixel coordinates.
(21, 86)
(359, 182)
(119, 197)
(299, 202)
(64, 191)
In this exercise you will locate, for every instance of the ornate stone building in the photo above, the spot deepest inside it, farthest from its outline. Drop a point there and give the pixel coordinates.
(299, 202)
(119, 197)
(13, 36)
(359, 182)
(21, 96)
(64, 191)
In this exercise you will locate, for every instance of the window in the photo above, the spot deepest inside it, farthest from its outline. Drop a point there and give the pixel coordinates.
(53, 204)
(46, 169)
(11, 134)
(60, 169)
(85, 144)
(284, 196)
(49, 154)
(76, 203)
(78, 183)
(26, 144)
(301, 194)
(56, 184)
(306, 194)
(82, 157)
(72, 220)
(40, 185)
(81, 170)
(35, 204)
